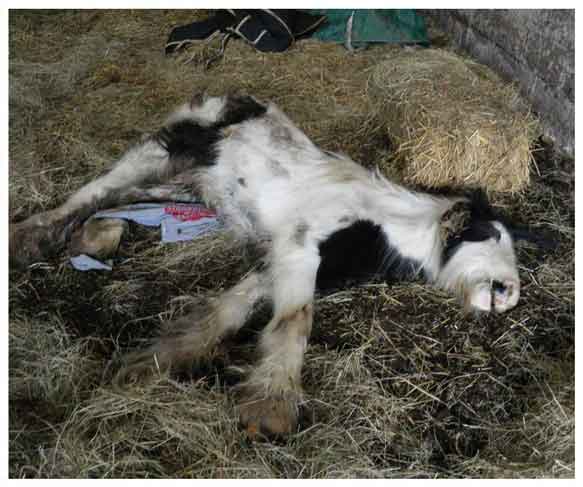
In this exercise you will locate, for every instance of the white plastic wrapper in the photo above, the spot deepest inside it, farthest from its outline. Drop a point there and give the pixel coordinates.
(178, 221)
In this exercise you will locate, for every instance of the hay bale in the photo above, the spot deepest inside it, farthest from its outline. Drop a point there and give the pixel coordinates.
(453, 122)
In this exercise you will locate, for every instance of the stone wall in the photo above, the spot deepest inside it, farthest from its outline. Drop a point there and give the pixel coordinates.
(535, 48)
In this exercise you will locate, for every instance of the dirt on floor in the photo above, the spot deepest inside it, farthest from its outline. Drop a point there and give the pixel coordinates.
(399, 383)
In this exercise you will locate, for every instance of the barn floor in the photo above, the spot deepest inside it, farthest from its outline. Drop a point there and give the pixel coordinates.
(399, 384)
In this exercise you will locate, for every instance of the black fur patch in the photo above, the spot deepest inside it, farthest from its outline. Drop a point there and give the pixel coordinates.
(480, 230)
(359, 253)
(238, 109)
(478, 226)
(480, 207)
(476, 231)
(187, 139)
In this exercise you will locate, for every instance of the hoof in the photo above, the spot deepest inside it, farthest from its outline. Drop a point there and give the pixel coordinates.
(271, 417)
(39, 238)
(30, 243)
(99, 238)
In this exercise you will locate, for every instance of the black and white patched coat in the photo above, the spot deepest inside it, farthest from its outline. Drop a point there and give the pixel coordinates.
(326, 218)
(321, 219)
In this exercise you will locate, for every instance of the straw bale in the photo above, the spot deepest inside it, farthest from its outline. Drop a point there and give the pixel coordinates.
(453, 122)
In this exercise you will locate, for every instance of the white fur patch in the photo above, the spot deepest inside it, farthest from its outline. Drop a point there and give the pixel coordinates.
(270, 180)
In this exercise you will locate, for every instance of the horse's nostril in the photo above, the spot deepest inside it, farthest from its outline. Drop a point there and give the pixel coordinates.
(498, 286)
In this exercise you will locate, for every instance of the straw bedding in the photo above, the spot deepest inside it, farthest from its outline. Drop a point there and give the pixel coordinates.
(399, 383)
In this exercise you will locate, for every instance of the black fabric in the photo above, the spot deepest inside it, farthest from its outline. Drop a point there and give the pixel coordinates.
(266, 30)
(274, 30)
(184, 34)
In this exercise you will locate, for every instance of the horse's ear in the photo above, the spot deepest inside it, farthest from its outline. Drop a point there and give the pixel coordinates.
(542, 240)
